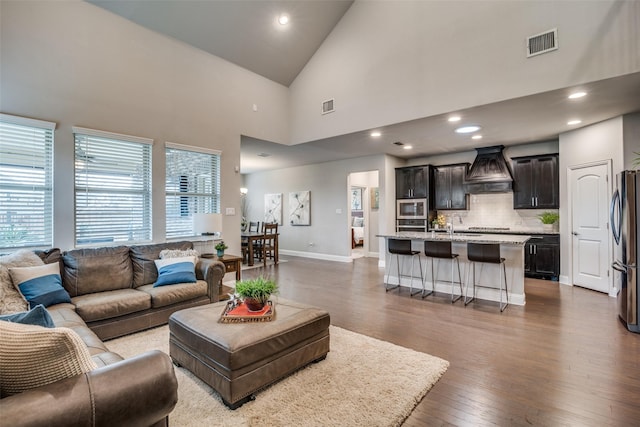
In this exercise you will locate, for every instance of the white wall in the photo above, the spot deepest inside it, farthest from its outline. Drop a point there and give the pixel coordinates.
(76, 64)
(601, 141)
(393, 61)
(328, 182)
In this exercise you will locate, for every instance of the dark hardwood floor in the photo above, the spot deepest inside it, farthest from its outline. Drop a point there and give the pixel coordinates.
(563, 359)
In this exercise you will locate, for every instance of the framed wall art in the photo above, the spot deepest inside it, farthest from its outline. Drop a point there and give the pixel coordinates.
(375, 198)
(273, 208)
(356, 198)
(300, 208)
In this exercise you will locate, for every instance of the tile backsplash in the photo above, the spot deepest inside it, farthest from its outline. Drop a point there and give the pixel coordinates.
(495, 210)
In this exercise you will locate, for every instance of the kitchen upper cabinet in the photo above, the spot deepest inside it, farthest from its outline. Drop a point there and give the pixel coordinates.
(535, 182)
(413, 182)
(542, 257)
(449, 187)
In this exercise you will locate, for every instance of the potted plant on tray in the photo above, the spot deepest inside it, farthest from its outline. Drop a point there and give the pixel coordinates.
(549, 219)
(220, 247)
(256, 292)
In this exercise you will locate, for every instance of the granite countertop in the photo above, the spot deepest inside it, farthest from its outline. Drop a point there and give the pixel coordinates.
(512, 230)
(506, 239)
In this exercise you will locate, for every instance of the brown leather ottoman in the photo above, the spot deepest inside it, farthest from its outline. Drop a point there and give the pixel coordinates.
(238, 359)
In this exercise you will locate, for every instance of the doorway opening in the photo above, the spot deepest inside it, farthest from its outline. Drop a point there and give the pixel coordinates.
(363, 207)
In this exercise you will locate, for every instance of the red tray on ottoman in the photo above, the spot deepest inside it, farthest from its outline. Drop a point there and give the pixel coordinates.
(238, 359)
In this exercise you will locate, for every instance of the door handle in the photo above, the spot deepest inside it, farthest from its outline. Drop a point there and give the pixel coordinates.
(575, 234)
(615, 225)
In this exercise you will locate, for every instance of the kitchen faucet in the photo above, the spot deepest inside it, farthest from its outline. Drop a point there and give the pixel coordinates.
(459, 217)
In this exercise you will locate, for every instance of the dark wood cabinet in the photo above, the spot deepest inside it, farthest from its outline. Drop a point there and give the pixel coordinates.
(413, 182)
(535, 182)
(449, 187)
(542, 257)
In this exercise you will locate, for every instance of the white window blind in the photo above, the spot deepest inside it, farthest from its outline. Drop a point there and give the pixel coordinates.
(26, 182)
(112, 187)
(192, 186)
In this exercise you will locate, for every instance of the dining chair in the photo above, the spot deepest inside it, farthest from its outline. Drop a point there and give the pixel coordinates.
(254, 227)
(269, 242)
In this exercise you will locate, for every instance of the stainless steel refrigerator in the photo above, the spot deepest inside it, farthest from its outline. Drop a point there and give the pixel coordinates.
(625, 207)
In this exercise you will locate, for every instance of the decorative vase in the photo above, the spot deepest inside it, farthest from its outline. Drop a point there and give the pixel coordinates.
(547, 227)
(253, 304)
(220, 253)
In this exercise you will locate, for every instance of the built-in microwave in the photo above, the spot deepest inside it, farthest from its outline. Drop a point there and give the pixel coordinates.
(411, 209)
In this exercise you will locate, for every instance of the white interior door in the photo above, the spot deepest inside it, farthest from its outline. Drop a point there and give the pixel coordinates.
(590, 232)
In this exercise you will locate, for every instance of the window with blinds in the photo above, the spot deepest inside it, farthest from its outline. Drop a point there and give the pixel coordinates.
(26, 182)
(192, 186)
(112, 187)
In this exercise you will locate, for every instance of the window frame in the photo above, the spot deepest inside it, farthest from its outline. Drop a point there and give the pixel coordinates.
(139, 196)
(201, 204)
(30, 191)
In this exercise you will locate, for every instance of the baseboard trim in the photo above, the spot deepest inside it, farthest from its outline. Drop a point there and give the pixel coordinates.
(315, 255)
(564, 280)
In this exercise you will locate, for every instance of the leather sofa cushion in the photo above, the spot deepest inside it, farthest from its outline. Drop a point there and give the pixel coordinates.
(64, 316)
(110, 304)
(142, 257)
(87, 271)
(162, 296)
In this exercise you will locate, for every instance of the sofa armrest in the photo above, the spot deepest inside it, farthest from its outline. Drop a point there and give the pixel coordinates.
(212, 271)
(140, 391)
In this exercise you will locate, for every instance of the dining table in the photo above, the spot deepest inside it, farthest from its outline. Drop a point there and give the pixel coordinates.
(253, 236)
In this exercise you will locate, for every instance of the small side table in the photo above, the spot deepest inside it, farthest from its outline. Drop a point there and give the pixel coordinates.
(231, 263)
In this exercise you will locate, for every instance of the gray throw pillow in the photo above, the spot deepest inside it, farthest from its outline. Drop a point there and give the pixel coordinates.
(38, 316)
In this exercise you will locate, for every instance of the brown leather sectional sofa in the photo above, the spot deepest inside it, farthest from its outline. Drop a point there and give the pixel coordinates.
(112, 295)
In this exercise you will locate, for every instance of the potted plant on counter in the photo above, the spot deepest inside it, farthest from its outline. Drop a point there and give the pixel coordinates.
(548, 219)
(256, 292)
(220, 247)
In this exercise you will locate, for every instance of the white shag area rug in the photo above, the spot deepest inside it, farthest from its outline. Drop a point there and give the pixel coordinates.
(362, 382)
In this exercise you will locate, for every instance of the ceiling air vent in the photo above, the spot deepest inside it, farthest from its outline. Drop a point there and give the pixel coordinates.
(327, 106)
(542, 43)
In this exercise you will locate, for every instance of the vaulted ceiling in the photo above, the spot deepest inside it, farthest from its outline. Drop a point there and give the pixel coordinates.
(248, 34)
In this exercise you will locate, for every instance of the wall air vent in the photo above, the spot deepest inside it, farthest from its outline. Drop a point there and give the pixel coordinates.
(542, 43)
(327, 106)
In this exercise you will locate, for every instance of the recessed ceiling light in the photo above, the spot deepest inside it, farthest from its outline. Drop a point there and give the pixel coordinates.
(476, 137)
(468, 129)
(407, 147)
(574, 122)
(454, 119)
(283, 19)
(577, 95)
(375, 134)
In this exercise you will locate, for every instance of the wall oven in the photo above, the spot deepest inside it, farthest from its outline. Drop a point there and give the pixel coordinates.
(411, 209)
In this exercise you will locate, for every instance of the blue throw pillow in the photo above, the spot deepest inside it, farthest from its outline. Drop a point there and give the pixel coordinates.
(40, 285)
(38, 316)
(175, 270)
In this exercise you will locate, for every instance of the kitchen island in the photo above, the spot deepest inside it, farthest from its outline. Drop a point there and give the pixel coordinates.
(487, 275)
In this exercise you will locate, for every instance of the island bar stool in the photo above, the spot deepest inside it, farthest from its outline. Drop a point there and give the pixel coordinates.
(442, 250)
(486, 253)
(402, 247)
